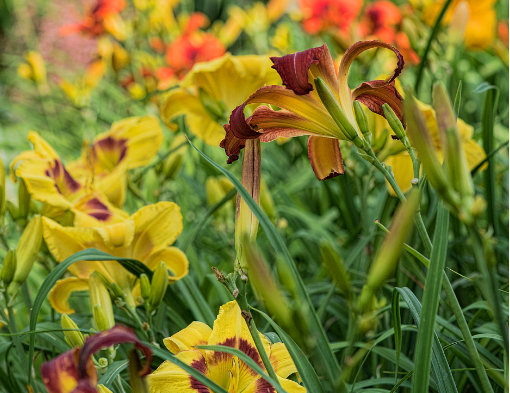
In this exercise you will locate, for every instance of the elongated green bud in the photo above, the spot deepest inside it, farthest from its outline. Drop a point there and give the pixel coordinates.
(174, 161)
(23, 200)
(336, 268)
(73, 338)
(8, 267)
(381, 140)
(26, 252)
(99, 296)
(116, 291)
(337, 113)
(2, 190)
(395, 124)
(158, 286)
(145, 287)
(101, 320)
(12, 209)
(151, 186)
(455, 159)
(361, 119)
(387, 258)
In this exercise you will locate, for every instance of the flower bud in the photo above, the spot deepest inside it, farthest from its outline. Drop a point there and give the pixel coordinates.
(2, 190)
(335, 266)
(214, 109)
(421, 141)
(159, 285)
(395, 124)
(145, 287)
(103, 389)
(264, 283)
(215, 193)
(381, 140)
(386, 259)
(12, 209)
(458, 23)
(101, 320)
(26, 252)
(337, 113)
(361, 119)
(100, 299)
(151, 186)
(173, 162)
(138, 383)
(116, 291)
(8, 267)
(73, 338)
(23, 200)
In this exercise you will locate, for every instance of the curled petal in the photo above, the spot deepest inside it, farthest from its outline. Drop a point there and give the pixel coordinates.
(325, 157)
(374, 94)
(352, 52)
(293, 69)
(60, 293)
(232, 145)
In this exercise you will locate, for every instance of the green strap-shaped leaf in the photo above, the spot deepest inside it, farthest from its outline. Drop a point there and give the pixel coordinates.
(305, 369)
(323, 352)
(440, 368)
(113, 370)
(423, 351)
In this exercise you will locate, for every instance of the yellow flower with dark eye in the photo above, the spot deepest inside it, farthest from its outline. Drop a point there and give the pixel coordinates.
(49, 181)
(129, 144)
(211, 90)
(232, 374)
(145, 236)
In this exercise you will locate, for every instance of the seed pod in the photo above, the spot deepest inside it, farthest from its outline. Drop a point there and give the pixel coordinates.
(158, 286)
(145, 287)
(9, 267)
(361, 119)
(26, 252)
(73, 338)
(337, 113)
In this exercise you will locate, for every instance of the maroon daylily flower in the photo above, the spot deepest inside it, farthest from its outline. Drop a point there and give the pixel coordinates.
(73, 371)
(302, 111)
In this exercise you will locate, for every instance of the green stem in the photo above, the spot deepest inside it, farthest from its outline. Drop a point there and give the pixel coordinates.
(132, 312)
(245, 307)
(433, 33)
(11, 320)
(450, 293)
(489, 274)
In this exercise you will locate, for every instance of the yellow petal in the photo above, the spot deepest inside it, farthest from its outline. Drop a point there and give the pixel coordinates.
(282, 363)
(41, 147)
(118, 235)
(66, 241)
(170, 378)
(174, 259)
(113, 185)
(260, 385)
(60, 293)
(156, 226)
(197, 333)
(474, 153)
(402, 168)
(325, 157)
(206, 129)
(180, 102)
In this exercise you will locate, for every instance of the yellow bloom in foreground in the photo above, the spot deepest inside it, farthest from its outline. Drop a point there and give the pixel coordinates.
(212, 89)
(145, 236)
(230, 329)
(48, 181)
(481, 26)
(129, 144)
(399, 159)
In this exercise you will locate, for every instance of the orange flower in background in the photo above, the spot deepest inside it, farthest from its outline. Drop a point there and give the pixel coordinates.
(320, 15)
(379, 21)
(193, 46)
(102, 17)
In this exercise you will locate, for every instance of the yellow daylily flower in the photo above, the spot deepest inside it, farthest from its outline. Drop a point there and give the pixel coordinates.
(130, 143)
(211, 90)
(48, 181)
(33, 68)
(481, 26)
(230, 329)
(145, 236)
(395, 155)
